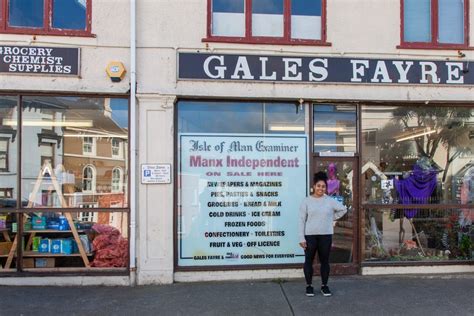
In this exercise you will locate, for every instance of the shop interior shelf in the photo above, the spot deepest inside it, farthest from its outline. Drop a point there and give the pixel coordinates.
(36, 231)
(49, 254)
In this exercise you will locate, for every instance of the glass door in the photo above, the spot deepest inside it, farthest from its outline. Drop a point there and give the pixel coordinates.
(341, 186)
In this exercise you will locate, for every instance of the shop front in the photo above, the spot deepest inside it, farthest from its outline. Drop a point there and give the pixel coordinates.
(403, 168)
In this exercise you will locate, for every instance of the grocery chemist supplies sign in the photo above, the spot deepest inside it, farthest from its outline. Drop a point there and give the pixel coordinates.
(239, 197)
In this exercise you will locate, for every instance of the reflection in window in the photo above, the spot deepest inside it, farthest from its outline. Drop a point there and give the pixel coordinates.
(88, 145)
(117, 180)
(26, 13)
(228, 17)
(69, 14)
(116, 147)
(8, 151)
(4, 154)
(334, 128)
(267, 18)
(88, 179)
(417, 155)
(240, 117)
(306, 19)
(75, 135)
(422, 25)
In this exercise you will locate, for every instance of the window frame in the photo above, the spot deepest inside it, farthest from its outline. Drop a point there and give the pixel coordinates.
(285, 40)
(434, 44)
(47, 28)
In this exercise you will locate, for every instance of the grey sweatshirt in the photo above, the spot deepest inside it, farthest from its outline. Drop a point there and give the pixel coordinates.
(317, 216)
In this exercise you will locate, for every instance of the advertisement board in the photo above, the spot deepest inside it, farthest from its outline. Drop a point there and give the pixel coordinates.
(239, 197)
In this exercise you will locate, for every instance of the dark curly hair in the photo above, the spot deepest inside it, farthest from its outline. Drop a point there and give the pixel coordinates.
(320, 176)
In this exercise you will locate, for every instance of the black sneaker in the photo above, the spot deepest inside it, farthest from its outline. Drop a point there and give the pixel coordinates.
(309, 291)
(325, 290)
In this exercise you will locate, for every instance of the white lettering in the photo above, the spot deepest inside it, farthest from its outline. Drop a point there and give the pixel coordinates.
(455, 73)
(242, 66)
(291, 71)
(264, 76)
(403, 72)
(318, 70)
(220, 69)
(358, 71)
(428, 68)
(381, 70)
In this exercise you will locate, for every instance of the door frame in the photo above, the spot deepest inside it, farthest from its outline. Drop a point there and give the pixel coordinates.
(354, 266)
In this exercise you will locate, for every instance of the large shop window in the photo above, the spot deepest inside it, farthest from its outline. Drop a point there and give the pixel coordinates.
(49, 17)
(59, 178)
(242, 174)
(435, 24)
(269, 22)
(418, 182)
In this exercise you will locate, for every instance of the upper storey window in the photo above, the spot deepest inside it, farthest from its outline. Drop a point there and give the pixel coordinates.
(267, 21)
(435, 24)
(46, 17)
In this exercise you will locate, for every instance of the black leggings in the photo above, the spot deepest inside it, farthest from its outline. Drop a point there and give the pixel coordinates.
(321, 244)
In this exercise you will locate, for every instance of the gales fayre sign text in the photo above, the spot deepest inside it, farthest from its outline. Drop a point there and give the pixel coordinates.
(322, 69)
(39, 60)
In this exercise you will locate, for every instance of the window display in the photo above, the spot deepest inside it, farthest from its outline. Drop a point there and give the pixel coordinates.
(430, 235)
(410, 155)
(420, 157)
(70, 180)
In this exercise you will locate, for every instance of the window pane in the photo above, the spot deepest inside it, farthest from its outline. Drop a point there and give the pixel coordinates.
(418, 155)
(8, 152)
(267, 18)
(306, 19)
(334, 128)
(284, 118)
(220, 117)
(418, 235)
(75, 178)
(417, 17)
(69, 14)
(451, 21)
(228, 18)
(26, 13)
(222, 194)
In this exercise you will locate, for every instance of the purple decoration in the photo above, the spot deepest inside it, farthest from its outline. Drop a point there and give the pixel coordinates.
(417, 188)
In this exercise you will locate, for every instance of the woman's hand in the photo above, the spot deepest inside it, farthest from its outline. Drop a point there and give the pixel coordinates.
(303, 245)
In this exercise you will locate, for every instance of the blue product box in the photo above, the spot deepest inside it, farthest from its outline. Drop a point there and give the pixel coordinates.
(38, 222)
(75, 249)
(56, 246)
(66, 246)
(45, 245)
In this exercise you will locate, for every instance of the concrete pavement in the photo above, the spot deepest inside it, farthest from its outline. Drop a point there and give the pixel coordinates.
(353, 295)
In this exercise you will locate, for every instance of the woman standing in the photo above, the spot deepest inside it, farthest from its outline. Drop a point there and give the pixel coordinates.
(317, 213)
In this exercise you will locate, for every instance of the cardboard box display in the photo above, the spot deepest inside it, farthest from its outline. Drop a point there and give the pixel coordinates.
(44, 262)
(28, 262)
(5, 247)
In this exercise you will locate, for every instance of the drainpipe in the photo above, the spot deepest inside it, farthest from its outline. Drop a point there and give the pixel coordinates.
(133, 145)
